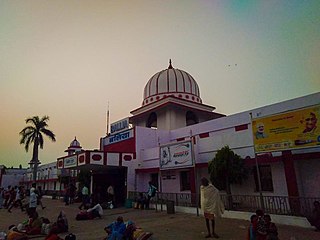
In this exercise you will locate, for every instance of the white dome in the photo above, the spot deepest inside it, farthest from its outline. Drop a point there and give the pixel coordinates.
(171, 82)
(75, 143)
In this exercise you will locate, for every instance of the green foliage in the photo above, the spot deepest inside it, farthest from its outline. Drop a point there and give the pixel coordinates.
(227, 168)
(33, 134)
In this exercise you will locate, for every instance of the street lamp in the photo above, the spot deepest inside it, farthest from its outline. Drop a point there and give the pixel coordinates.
(34, 166)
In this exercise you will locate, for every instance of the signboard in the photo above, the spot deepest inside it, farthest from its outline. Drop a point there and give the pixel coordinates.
(70, 161)
(119, 126)
(176, 155)
(119, 137)
(296, 129)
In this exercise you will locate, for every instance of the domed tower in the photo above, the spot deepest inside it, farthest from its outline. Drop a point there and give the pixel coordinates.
(74, 147)
(171, 100)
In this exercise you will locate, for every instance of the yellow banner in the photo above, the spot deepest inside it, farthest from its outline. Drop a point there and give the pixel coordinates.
(296, 129)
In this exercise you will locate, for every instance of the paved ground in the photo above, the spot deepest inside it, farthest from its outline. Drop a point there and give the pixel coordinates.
(178, 226)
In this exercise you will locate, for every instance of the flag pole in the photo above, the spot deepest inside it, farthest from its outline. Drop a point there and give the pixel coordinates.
(257, 169)
(108, 120)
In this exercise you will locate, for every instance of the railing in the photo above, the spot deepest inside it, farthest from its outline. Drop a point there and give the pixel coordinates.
(281, 205)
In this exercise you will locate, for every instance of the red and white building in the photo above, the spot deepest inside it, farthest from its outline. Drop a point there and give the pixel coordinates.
(171, 137)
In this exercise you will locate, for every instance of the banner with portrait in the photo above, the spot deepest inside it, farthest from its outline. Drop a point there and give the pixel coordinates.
(291, 130)
(176, 155)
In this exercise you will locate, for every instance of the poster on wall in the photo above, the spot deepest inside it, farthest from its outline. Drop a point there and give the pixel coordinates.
(296, 129)
(176, 155)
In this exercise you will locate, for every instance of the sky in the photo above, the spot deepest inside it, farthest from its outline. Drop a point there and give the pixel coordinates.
(71, 59)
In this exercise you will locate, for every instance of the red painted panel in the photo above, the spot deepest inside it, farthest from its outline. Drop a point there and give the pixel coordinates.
(81, 159)
(96, 157)
(126, 146)
(127, 157)
(241, 127)
(180, 139)
(60, 164)
(204, 135)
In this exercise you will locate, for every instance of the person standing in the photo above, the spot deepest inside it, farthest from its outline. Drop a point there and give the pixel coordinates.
(150, 194)
(18, 198)
(66, 198)
(85, 197)
(39, 197)
(72, 191)
(32, 201)
(211, 205)
(110, 192)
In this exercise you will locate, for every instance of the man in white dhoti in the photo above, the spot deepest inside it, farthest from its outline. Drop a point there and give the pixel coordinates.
(211, 205)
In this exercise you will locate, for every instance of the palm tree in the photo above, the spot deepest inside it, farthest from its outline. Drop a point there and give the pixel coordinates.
(34, 134)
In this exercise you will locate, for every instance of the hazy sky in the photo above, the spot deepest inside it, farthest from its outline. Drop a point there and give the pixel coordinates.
(68, 59)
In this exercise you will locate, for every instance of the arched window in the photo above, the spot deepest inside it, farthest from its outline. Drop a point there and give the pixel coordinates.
(152, 121)
(191, 118)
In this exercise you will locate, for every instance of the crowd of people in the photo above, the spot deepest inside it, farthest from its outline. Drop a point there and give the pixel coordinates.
(17, 196)
(261, 227)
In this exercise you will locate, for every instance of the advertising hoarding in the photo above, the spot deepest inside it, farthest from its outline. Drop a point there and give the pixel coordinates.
(291, 130)
(176, 155)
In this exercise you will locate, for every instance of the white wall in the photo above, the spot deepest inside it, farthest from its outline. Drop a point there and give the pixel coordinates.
(308, 171)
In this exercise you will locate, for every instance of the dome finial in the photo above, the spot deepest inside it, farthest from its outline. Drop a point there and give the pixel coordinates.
(170, 66)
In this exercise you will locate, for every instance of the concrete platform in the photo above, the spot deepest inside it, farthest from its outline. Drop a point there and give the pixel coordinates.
(178, 226)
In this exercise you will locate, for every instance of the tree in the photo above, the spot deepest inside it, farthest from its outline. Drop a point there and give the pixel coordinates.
(227, 168)
(34, 134)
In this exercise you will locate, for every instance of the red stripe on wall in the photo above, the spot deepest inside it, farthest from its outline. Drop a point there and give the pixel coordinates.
(203, 135)
(241, 127)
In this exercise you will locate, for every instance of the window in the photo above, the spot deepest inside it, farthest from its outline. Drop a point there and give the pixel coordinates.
(191, 118)
(185, 181)
(265, 178)
(152, 121)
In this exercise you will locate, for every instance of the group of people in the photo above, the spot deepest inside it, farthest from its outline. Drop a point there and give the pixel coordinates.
(261, 227)
(143, 200)
(88, 200)
(28, 201)
(17, 196)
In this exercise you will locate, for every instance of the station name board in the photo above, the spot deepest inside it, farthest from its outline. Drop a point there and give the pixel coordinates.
(119, 126)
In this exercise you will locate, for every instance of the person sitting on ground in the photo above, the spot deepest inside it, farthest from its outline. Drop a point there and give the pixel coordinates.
(96, 211)
(141, 201)
(272, 231)
(252, 228)
(128, 233)
(53, 235)
(261, 226)
(34, 225)
(14, 234)
(115, 230)
(314, 219)
(62, 223)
